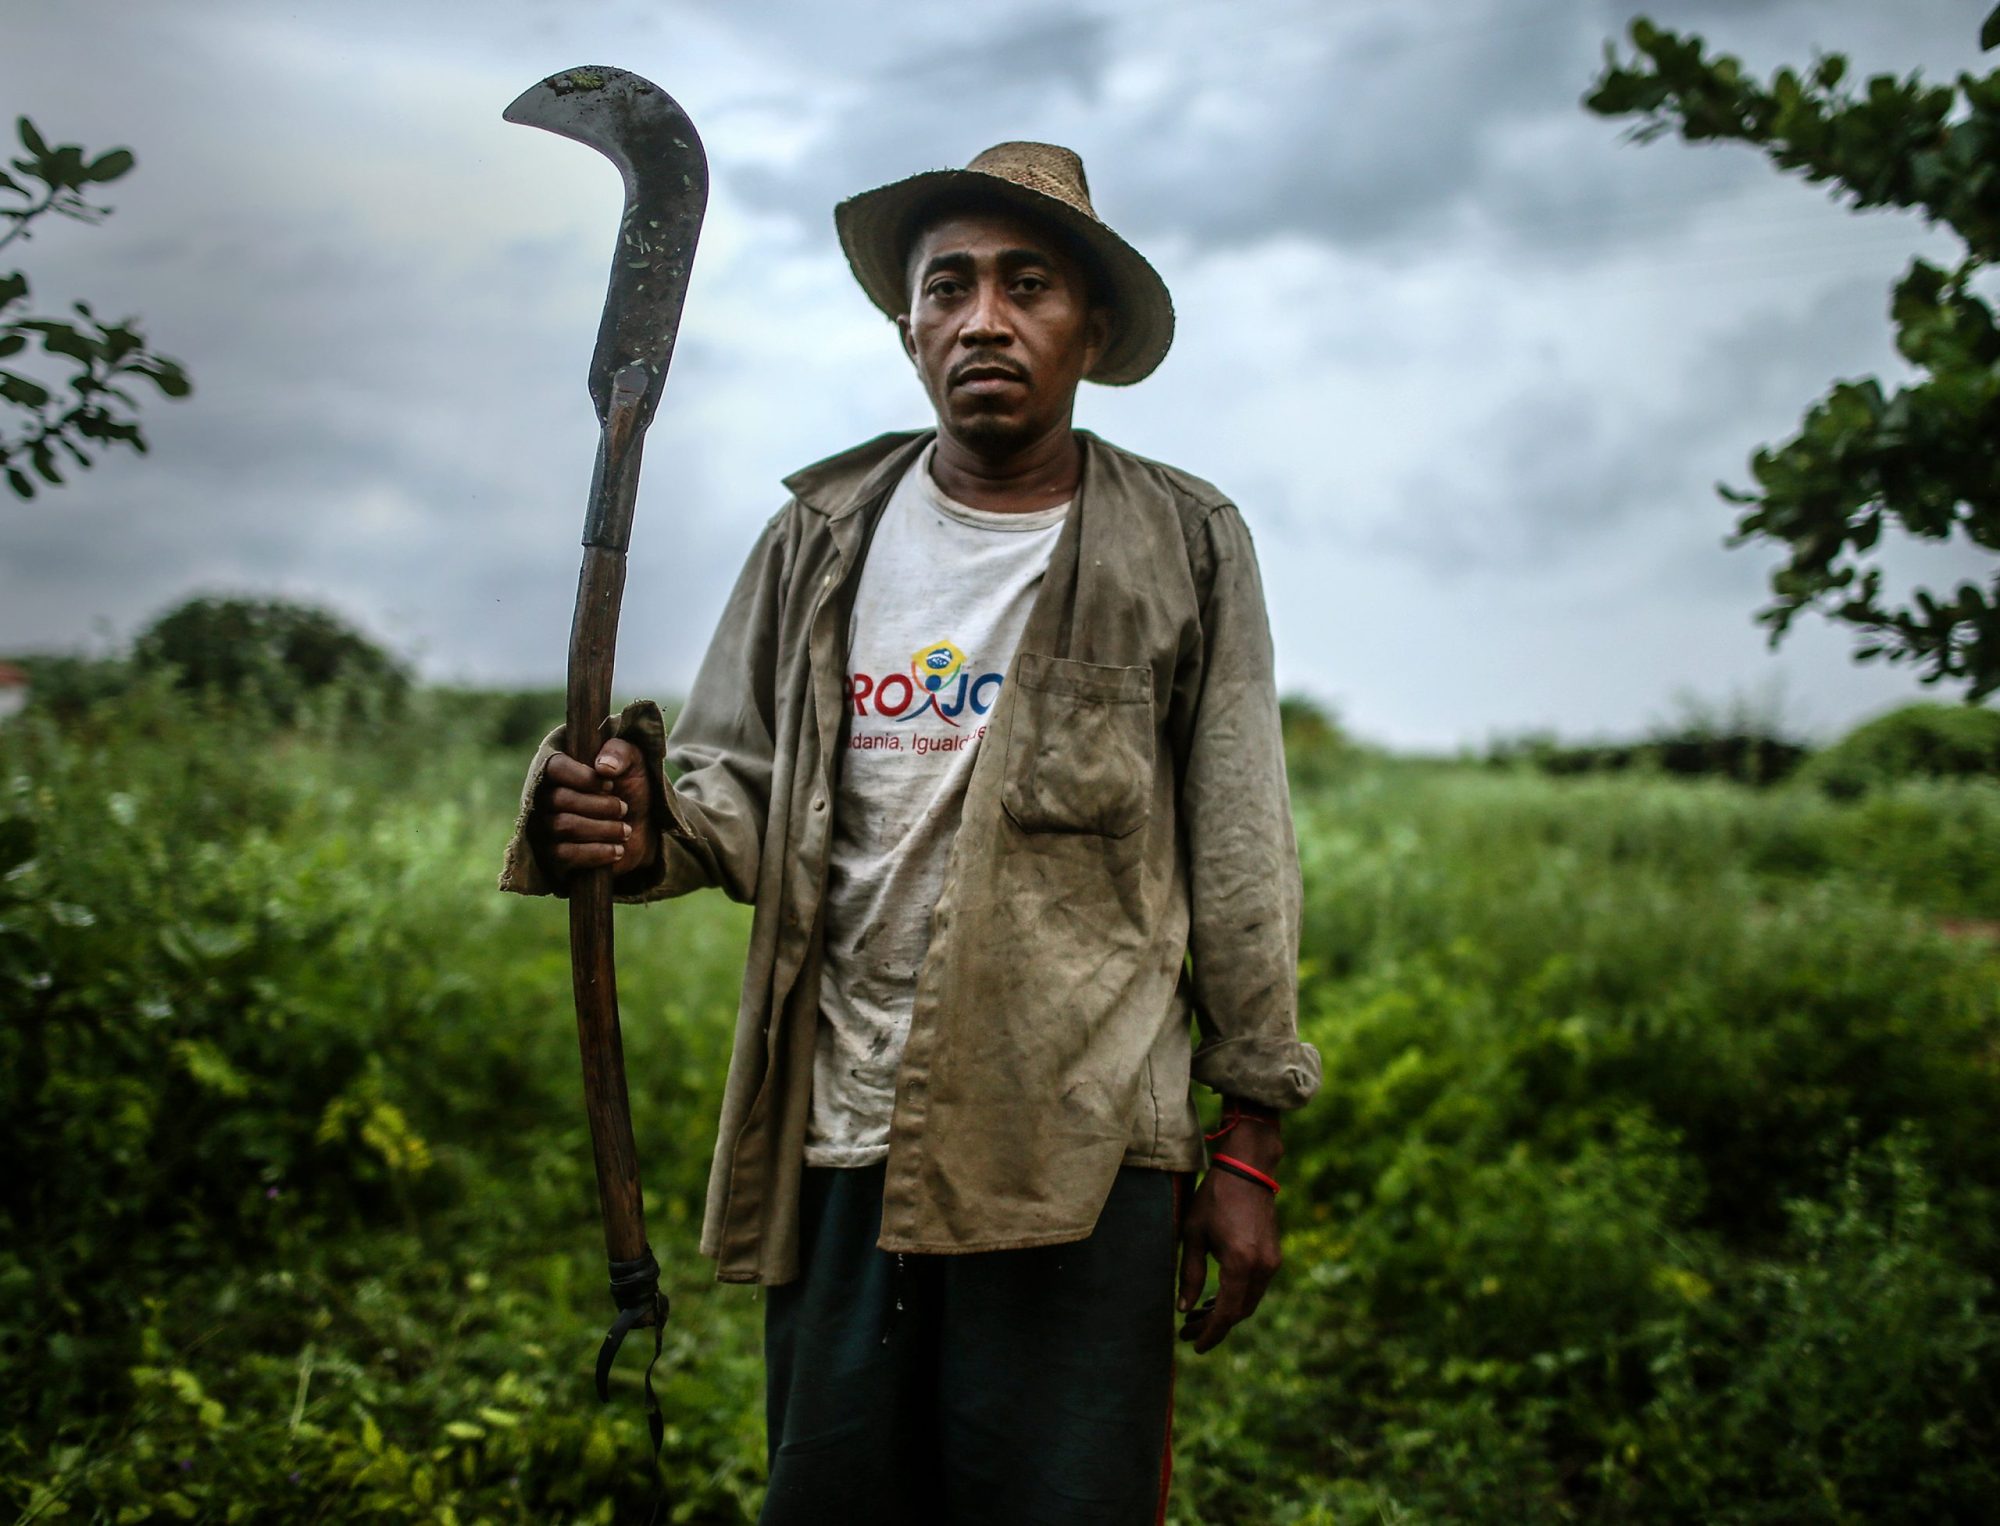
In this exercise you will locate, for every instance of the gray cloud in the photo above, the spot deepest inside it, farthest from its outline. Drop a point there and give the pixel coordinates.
(1459, 348)
(1557, 468)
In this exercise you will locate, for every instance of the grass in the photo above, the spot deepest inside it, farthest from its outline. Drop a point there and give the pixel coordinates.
(1652, 1179)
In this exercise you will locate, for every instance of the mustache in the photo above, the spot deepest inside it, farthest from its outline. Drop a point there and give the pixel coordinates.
(998, 363)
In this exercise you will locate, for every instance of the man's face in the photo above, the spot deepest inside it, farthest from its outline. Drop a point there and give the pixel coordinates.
(1000, 327)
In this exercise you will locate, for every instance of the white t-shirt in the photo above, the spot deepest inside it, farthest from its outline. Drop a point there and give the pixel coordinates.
(944, 597)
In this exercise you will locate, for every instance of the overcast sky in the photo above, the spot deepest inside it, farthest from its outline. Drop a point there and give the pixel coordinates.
(1470, 363)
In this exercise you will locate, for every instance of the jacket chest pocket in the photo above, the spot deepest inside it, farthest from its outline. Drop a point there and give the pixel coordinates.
(1080, 748)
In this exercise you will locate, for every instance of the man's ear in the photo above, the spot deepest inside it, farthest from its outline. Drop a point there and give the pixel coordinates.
(909, 339)
(1097, 337)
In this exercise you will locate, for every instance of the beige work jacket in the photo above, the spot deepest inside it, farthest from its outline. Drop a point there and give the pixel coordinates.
(1125, 863)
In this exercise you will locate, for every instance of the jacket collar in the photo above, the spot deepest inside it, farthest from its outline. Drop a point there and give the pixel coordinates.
(842, 484)
(839, 485)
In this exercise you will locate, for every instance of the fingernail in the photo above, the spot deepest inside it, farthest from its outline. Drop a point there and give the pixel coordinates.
(617, 852)
(624, 809)
(626, 830)
(1184, 1306)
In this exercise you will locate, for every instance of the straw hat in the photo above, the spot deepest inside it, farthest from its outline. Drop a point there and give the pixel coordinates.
(1047, 182)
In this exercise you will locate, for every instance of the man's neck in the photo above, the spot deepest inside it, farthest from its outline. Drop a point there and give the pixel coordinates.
(1037, 475)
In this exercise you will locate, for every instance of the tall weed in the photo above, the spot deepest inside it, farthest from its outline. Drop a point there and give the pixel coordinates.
(1652, 1179)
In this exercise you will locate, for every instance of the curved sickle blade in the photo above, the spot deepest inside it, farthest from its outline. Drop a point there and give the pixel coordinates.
(641, 129)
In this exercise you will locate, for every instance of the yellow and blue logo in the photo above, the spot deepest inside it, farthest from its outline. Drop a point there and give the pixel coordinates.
(937, 665)
(938, 683)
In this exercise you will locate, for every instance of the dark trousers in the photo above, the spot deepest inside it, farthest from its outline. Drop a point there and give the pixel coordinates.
(1031, 1387)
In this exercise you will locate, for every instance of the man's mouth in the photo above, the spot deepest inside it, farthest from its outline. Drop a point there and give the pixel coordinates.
(984, 375)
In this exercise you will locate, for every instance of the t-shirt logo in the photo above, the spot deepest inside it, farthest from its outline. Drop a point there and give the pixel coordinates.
(938, 683)
(937, 664)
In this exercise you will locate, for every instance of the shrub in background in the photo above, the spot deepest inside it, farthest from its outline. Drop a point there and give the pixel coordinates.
(298, 1220)
(1318, 749)
(67, 685)
(513, 719)
(1922, 741)
(1653, 1178)
(1741, 738)
(272, 656)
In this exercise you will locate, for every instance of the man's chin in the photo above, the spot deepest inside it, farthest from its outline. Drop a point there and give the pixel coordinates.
(988, 430)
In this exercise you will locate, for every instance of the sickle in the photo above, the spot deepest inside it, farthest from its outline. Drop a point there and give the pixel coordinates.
(641, 129)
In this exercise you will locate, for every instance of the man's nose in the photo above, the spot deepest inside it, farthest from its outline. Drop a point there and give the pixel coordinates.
(987, 321)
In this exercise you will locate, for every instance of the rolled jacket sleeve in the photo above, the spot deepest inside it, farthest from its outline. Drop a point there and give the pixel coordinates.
(711, 813)
(1243, 862)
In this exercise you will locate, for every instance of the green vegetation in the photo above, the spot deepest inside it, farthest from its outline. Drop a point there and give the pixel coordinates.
(271, 657)
(1868, 460)
(46, 426)
(1915, 742)
(1653, 1180)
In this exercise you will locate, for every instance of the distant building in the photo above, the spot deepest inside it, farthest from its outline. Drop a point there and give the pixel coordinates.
(13, 690)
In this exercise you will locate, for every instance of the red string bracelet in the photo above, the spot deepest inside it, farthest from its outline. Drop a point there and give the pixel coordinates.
(1248, 1172)
(1234, 1114)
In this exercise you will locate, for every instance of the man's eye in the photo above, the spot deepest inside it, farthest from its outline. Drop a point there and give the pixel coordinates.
(943, 289)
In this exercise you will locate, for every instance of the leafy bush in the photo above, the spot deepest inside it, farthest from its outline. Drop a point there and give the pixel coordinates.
(516, 719)
(67, 685)
(1748, 757)
(45, 425)
(1653, 1178)
(273, 657)
(1915, 742)
(1600, 1058)
(1318, 750)
(299, 1205)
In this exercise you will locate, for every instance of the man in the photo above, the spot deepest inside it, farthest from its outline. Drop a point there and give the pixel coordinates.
(988, 736)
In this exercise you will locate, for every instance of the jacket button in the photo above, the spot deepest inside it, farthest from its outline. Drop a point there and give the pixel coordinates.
(819, 802)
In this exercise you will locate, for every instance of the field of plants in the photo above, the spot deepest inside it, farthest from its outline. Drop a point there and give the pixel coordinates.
(1655, 1177)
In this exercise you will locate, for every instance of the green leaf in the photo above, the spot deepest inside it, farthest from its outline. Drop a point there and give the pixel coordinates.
(109, 166)
(61, 339)
(12, 344)
(118, 342)
(169, 378)
(13, 287)
(20, 483)
(1989, 31)
(31, 139)
(19, 389)
(17, 842)
(65, 167)
(210, 1069)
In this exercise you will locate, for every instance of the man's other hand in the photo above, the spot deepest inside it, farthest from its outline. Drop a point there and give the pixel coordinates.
(1236, 1222)
(596, 816)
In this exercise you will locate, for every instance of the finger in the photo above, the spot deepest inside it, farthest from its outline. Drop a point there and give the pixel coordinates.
(564, 769)
(1226, 1314)
(570, 828)
(578, 803)
(1192, 1325)
(1194, 1266)
(588, 855)
(616, 757)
